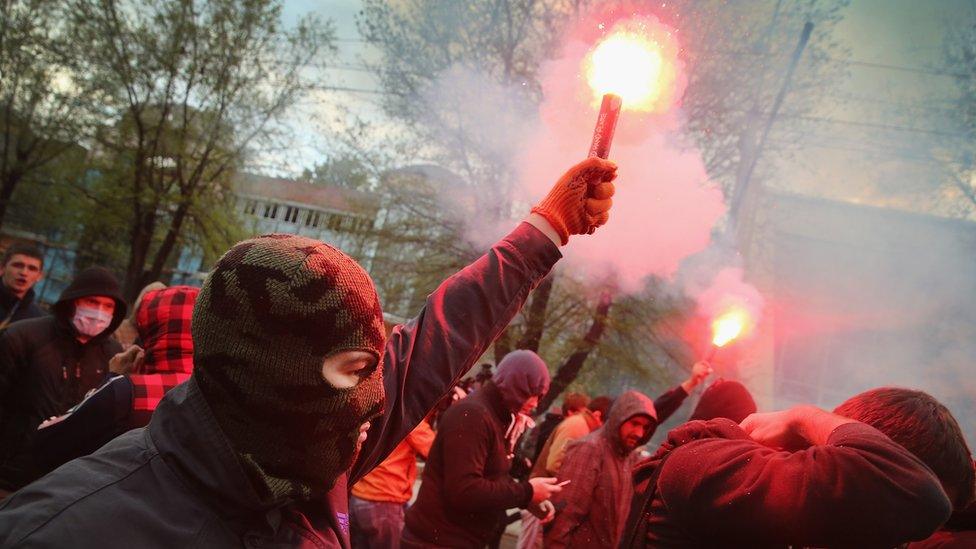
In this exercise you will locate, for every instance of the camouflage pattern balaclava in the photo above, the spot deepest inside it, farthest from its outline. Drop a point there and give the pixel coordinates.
(266, 318)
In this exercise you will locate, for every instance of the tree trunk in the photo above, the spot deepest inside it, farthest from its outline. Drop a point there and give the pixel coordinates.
(503, 345)
(169, 242)
(140, 241)
(535, 321)
(570, 369)
(10, 181)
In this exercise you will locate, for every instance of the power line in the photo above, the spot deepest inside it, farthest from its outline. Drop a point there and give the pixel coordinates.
(875, 125)
(939, 71)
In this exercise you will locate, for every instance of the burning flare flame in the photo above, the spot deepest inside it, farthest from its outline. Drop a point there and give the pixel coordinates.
(729, 326)
(631, 62)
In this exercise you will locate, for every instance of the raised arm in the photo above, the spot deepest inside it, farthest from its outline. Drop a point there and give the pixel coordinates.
(427, 356)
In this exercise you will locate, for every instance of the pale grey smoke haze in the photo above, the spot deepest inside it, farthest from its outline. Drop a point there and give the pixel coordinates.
(863, 258)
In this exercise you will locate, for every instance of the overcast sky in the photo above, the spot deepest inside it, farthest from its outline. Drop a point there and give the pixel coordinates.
(887, 33)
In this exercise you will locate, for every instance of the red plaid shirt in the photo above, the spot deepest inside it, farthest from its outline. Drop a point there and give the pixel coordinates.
(163, 322)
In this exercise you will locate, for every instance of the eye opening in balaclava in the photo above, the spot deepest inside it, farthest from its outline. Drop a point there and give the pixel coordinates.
(265, 320)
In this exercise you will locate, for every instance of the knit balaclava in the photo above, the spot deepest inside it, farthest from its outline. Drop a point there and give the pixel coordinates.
(521, 375)
(266, 318)
(724, 398)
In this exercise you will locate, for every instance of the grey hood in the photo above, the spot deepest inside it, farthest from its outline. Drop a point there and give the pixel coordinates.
(626, 406)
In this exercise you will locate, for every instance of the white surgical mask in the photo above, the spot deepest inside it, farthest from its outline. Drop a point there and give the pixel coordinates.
(90, 321)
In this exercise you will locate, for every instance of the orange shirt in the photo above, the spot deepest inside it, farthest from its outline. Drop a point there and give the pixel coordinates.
(392, 480)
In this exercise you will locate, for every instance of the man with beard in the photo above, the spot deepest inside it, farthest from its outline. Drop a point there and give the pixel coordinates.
(296, 393)
(592, 508)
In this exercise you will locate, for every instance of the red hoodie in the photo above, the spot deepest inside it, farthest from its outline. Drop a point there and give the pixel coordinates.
(163, 323)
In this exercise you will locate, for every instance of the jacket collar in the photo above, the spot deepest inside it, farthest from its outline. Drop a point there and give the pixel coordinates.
(187, 436)
(496, 403)
(8, 299)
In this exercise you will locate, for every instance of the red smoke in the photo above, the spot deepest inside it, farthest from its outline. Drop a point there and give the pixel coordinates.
(665, 206)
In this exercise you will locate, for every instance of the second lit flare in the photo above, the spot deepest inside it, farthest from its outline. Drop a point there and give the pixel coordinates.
(727, 327)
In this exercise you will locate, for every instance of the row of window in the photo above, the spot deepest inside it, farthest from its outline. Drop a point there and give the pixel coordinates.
(311, 218)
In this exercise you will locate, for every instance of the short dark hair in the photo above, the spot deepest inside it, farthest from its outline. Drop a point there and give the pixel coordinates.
(574, 402)
(924, 427)
(29, 250)
(601, 404)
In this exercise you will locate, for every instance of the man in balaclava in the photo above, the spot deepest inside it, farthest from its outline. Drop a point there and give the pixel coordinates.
(294, 394)
(48, 364)
(466, 486)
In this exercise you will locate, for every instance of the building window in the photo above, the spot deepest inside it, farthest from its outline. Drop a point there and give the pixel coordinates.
(313, 219)
(335, 222)
(271, 211)
(291, 214)
(250, 207)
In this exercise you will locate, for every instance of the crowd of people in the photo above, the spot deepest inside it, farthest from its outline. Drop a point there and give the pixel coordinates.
(272, 407)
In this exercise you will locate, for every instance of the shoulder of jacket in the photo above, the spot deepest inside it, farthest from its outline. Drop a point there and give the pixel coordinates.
(32, 331)
(73, 487)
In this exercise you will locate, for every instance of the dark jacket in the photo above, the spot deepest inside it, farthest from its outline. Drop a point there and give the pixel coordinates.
(592, 508)
(710, 485)
(13, 308)
(127, 402)
(466, 487)
(45, 370)
(177, 482)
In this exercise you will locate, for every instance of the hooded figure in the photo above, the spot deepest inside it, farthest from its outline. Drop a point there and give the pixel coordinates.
(48, 365)
(592, 509)
(466, 485)
(724, 398)
(163, 324)
(127, 401)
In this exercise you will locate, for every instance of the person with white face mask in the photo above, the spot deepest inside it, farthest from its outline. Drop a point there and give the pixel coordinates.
(48, 364)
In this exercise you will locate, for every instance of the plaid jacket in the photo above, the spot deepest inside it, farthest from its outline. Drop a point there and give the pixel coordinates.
(163, 322)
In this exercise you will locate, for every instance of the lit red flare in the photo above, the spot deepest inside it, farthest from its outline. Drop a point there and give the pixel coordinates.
(626, 69)
(632, 62)
(729, 325)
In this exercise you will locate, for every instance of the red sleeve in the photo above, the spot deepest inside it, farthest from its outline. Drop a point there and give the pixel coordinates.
(859, 489)
(421, 439)
(427, 356)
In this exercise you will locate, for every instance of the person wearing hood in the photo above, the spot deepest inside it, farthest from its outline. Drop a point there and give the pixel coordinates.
(885, 468)
(296, 393)
(466, 485)
(724, 398)
(592, 508)
(48, 364)
(142, 376)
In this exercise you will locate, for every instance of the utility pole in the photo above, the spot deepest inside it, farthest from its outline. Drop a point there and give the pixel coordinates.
(753, 150)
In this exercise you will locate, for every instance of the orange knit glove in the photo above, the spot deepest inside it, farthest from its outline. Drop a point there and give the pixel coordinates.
(580, 201)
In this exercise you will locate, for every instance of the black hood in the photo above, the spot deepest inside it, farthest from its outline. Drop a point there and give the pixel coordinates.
(725, 398)
(92, 281)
